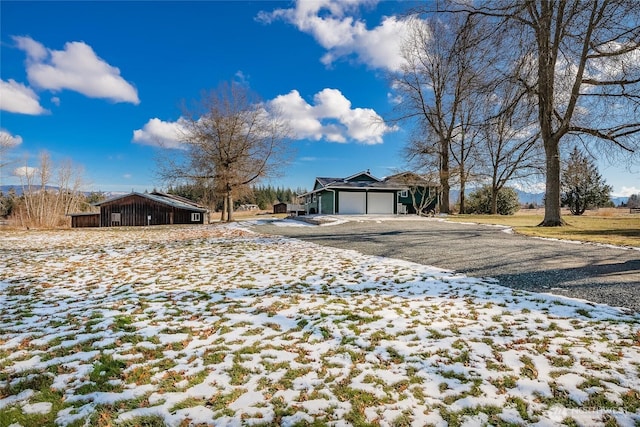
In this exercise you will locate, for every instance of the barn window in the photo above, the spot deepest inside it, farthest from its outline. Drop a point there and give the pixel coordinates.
(115, 217)
(404, 193)
(195, 216)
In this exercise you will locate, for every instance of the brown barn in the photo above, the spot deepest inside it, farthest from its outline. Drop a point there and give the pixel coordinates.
(138, 209)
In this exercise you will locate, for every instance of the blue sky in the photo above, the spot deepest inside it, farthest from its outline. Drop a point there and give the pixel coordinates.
(100, 83)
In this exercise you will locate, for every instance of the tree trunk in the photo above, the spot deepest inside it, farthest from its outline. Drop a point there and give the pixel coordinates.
(229, 206)
(494, 201)
(224, 210)
(444, 176)
(552, 214)
(462, 189)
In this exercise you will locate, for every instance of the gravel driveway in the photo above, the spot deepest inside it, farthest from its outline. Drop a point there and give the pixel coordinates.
(595, 273)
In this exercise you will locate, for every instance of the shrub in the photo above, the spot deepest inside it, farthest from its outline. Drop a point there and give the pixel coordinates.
(507, 202)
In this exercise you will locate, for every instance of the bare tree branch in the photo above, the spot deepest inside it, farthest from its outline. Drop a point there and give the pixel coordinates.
(231, 140)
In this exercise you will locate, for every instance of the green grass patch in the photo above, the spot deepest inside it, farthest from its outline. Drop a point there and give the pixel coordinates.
(457, 418)
(123, 323)
(610, 227)
(41, 385)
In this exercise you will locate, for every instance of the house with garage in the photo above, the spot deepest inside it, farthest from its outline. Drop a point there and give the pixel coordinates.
(358, 194)
(139, 209)
(364, 194)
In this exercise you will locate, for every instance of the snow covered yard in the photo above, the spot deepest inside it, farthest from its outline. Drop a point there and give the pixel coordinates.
(219, 326)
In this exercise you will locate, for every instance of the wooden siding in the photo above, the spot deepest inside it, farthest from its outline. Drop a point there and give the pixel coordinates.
(135, 210)
(85, 220)
(280, 208)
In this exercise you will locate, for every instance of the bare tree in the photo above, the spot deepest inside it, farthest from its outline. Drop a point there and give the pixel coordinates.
(509, 148)
(438, 75)
(49, 193)
(464, 148)
(582, 62)
(232, 140)
(419, 187)
(7, 142)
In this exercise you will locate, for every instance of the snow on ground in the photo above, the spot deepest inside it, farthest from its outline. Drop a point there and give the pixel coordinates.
(220, 326)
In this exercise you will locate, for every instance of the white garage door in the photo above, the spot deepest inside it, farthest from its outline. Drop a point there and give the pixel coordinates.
(351, 203)
(381, 203)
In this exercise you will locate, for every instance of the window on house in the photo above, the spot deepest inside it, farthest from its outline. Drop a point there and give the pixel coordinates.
(314, 198)
(115, 217)
(195, 216)
(404, 193)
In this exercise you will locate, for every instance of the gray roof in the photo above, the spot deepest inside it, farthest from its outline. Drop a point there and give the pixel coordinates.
(341, 184)
(411, 179)
(366, 185)
(165, 200)
(325, 181)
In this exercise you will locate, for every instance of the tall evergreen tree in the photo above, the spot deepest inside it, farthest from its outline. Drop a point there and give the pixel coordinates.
(582, 185)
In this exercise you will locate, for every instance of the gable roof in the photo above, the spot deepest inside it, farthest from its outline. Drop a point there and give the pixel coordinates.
(162, 198)
(411, 178)
(353, 183)
(359, 174)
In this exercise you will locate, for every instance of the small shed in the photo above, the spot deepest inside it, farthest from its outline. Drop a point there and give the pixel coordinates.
(139, 209)
(85, 219)
(288, 208)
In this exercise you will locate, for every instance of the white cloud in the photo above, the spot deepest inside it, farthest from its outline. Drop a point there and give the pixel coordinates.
(18, 98)
(35, 50)
(76, 68)
(241, 78)
(619, 67)
(626, 192)
(330, 118)
(299, 114)
(25, 171)
(9, 140)
(159, 133)
(394, 98)
(329, 23)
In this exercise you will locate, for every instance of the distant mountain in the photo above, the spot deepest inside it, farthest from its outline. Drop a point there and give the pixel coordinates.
(5, 189)
(527, 198)
(619, 200)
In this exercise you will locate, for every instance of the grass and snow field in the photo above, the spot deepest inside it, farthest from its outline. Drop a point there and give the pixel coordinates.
(216, 325)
